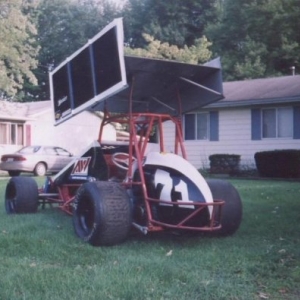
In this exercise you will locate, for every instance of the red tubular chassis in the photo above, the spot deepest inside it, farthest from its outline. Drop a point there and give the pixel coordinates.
(135, 180)
(142, 127)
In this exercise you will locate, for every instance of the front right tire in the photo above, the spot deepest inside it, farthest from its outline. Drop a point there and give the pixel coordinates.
(102, 213)
(232, 210)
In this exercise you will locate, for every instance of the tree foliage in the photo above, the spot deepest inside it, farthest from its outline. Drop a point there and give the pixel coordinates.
(195, 54)
(18, 48)
(257, 38)
(176, 22)
(254, 38)
(64, 26)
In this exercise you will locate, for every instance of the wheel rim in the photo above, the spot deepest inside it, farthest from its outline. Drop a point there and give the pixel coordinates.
(10, 198)
(85, 213)
(40, 169)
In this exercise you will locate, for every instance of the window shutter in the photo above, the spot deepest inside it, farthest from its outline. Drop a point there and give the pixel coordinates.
(214, 125)
(296, 122)
(255, 124)
(27, 135)
(189, 126)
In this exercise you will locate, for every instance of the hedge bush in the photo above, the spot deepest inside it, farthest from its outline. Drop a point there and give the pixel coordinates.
(278, 163)
(224, 163)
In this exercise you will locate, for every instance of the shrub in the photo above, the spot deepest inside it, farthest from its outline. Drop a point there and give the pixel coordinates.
(278, 163)
(224, 163)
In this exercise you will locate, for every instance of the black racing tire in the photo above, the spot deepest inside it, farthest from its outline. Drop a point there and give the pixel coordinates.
(21, 195)
(13, 173)
(232, 210)
(40, 169)
(102, 213)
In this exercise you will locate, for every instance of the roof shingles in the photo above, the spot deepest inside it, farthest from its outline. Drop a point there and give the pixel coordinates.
(22, 110)
(266, 88)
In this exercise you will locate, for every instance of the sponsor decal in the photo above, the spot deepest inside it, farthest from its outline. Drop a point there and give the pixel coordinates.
(81, 167)
(62, 100)
(106, 147)
(57, 115)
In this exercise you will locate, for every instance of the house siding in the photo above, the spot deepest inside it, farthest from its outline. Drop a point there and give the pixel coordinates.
(74, 135)
(169, 135)
(234, 133)
(234, 138)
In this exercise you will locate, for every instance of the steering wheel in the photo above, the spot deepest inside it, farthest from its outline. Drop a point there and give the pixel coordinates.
(121, 160)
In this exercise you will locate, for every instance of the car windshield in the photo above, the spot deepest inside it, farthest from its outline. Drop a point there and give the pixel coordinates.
(29, 149)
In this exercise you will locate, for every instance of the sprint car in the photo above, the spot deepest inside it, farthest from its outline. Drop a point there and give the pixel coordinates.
(136, 180)
(132, 183)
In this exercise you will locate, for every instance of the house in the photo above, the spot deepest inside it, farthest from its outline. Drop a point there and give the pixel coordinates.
(32, 123)
(255, 115)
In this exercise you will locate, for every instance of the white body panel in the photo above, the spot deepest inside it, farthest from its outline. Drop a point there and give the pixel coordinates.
(181, 165)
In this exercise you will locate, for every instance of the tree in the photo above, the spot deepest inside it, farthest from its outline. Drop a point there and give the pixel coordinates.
(176, 22)
(257, 38)
(63, 27)
(18, 49)
(195, 54)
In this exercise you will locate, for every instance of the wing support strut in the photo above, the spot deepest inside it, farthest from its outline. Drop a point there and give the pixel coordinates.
(201, 86)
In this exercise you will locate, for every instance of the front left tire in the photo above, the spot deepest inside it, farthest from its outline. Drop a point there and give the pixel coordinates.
(102, 213)
(21, 195)
(13, 173)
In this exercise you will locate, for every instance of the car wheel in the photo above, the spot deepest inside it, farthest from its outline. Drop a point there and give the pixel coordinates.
(40, 169)
(13, 173)
(21, 195)
(102, 213)
(232, 210)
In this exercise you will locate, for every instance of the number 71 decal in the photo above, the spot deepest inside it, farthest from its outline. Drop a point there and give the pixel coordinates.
(168, 188)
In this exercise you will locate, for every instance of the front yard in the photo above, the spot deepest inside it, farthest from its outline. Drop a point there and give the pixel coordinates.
(41, 258)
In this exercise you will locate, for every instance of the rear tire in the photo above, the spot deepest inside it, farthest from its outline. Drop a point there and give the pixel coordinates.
(40, 169)
(13, 173)
(232, 210)
(21, 195)
(102, 213)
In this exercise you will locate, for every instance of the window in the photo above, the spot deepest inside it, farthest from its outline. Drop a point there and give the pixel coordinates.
(11, 133)
(62, 152)
(30, 149)
(277, 122)
(201, 126)
(196, 126)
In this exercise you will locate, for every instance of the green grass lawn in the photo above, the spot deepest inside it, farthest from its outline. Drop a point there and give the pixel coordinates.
(41, 258)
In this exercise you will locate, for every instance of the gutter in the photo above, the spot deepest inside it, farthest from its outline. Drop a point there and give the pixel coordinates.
(11, 118)
(252, 102)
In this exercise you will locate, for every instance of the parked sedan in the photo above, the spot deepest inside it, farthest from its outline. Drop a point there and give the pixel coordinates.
(36, 159)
